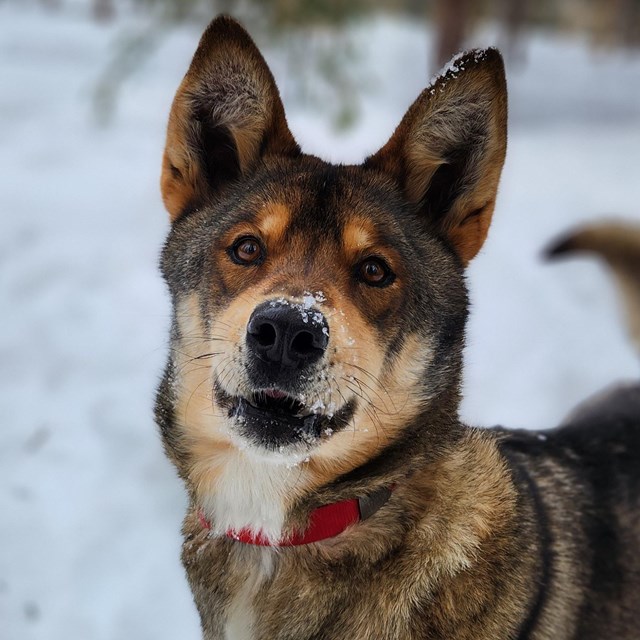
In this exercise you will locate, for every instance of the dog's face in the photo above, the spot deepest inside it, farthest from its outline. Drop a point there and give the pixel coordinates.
(318, 308)
(311, 305)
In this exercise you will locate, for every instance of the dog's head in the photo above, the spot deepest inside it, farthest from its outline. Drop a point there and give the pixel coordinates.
(318, 308)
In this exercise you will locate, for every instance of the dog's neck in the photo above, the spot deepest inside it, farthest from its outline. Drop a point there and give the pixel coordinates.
(454, 503)
(264, 500)
(324, 522)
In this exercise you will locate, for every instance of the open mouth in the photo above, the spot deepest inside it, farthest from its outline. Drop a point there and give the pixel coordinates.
(272, 408)
(274, 419)
(276, 402)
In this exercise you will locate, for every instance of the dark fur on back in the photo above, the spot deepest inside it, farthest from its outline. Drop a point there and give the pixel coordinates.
(585, 485)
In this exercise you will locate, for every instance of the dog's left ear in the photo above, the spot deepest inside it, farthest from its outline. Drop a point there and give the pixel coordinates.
(448, 151)
(227, 115)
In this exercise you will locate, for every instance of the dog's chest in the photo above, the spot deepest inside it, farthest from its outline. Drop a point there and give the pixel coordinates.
(240, 593)
(249, 493)
(228, 581)
(240, 616)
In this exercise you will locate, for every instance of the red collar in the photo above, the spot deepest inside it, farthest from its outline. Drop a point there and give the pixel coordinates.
(324, 522)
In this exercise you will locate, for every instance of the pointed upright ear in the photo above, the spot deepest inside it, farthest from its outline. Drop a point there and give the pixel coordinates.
(226, 116)
(448, 151)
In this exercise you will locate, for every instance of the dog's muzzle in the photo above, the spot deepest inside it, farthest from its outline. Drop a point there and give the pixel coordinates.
(285, 343)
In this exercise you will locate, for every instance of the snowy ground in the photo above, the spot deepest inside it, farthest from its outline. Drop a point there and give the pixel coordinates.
(90, 509)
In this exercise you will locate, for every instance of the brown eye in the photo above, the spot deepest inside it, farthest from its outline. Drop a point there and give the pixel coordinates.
(246, 250)
(375, 272)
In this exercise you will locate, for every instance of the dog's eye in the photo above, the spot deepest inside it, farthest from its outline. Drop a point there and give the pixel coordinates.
(375, 272)
(246, 250)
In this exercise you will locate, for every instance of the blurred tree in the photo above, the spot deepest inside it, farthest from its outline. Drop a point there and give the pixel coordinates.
(452, 18)
(103, 10)
(292, 13)
(301, 27)
(314, 34)
(514, 18)
(616, 22)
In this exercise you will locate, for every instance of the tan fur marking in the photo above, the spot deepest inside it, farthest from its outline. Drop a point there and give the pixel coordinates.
(273, 221)
(390, 404)
(191, 374)
(180, 174)
(358, 235)
(472, 487)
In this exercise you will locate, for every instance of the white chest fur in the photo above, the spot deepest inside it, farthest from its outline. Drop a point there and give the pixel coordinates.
(250, 493)
(240, 618)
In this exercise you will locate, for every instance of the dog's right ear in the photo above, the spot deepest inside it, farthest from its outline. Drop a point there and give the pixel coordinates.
(226, 116)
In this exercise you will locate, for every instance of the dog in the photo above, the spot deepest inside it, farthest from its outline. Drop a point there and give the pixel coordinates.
(310, 399)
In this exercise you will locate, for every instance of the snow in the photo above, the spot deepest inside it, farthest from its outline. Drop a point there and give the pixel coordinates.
(91, 509)
(305, 308)
(453, 68)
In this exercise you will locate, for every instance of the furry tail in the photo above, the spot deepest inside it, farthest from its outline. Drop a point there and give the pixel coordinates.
(618, 244)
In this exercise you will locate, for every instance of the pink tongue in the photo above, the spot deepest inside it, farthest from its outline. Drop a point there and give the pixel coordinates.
(274, 393)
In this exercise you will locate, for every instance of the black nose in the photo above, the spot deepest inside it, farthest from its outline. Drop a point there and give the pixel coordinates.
(287, 334)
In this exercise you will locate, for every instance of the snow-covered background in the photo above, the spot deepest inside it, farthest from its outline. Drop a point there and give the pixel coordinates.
(89, 508)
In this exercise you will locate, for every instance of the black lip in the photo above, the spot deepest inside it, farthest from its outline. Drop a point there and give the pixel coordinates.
(274, 424)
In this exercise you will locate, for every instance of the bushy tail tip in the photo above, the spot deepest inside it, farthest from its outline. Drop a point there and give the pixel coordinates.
(618, 244)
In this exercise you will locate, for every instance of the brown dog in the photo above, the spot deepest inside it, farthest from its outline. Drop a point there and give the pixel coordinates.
(310, 401)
